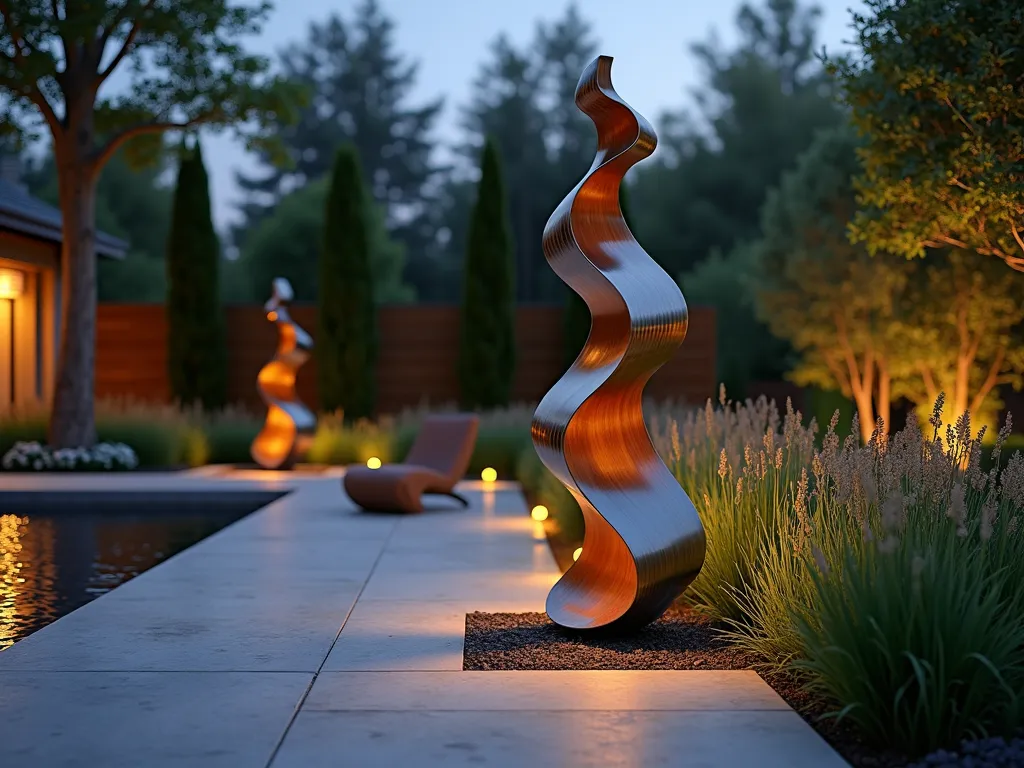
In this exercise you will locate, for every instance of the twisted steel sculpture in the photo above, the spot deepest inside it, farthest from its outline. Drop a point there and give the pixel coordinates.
(644, 542)
(289, 425)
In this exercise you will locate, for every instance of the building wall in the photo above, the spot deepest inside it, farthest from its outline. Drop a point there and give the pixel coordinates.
(417, 358)
(34, 323)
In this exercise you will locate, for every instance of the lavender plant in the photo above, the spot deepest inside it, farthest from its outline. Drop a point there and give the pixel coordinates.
(741, 465)
(897, 587)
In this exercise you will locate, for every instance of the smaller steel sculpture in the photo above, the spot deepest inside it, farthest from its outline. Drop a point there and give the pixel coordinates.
(289, 425)
(644, 542)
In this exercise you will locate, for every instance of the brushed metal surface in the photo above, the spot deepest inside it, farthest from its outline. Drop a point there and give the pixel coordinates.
(289, 425)
(644, 542)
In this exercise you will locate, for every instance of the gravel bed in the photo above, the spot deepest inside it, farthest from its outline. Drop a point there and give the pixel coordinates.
(679, 640)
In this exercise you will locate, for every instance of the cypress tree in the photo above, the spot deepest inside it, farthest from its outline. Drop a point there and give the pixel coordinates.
(576, 318)
(346, 343)
(197, 345)
(487, 336)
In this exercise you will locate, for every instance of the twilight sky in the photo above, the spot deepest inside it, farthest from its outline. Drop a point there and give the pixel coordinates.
(653, 69)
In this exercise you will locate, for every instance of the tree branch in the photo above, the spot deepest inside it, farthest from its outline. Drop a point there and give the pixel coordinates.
(143, 129)
(990, 382)
(941, 240)
(960, 116)
(128, 41)
(16, 37)
(1016, 235)
(929, 383)
(858, 379)
(1015, 263)
(837, 371)
(44, 106)
(32, 92)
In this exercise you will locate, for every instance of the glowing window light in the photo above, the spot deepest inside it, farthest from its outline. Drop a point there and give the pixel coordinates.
(373, 462)
(539, 513)
(12, 283)
(489, 475)
(577, 553)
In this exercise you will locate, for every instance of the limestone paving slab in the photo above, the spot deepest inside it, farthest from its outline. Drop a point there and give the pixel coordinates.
(483, 558)
(604, 690)
(544, 739)
(507, 585)
(135, 719)
(403, 635)
(266, 633)
(387, 635)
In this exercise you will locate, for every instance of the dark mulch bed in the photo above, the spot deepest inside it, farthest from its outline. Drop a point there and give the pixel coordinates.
(681, 639)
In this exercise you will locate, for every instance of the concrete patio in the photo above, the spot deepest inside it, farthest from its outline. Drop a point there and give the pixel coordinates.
(309, 634)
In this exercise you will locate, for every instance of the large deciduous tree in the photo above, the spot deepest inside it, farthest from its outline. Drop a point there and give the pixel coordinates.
(182, 65)
(487, 347)
(196, 333)
(346, 312)
(881, 327)
(938, 93)
(963, 336)
(830, 299)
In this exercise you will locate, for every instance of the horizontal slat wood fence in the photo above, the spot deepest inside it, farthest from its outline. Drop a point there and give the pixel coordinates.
(416, 360)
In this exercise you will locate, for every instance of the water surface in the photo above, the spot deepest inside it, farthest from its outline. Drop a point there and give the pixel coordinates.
(57, 554)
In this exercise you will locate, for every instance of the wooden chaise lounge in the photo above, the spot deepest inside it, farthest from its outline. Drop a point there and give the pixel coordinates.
(438, 459)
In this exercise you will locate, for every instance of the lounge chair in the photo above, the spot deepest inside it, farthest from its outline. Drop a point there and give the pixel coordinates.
(438, 459)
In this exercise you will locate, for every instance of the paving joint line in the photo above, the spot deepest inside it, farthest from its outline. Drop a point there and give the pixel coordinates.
(316, 674)
(787, 711)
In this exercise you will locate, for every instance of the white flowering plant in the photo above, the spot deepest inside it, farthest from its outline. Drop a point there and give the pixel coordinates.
(36, 457)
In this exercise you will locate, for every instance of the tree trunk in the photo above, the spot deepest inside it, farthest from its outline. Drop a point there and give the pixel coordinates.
(862, 385)
(862, 398)
(72, 420)
(964, 361)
